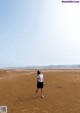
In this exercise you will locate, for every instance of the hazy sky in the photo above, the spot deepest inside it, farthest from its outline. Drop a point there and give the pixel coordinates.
(39, 32)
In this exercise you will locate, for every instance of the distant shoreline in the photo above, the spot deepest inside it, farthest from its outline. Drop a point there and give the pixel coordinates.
(75, 66)
(29, 70)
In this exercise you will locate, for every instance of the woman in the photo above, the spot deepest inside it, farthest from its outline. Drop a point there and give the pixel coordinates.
(40, 84)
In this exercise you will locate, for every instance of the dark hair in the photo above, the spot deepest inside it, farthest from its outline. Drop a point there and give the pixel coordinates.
(38, 72)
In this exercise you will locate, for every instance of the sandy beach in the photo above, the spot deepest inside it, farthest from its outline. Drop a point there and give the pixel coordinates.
(61, 91)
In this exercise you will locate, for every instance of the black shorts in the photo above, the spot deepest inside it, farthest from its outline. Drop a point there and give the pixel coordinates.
(40, 84)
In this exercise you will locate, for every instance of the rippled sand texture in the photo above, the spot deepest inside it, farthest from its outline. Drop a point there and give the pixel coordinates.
(61, 91)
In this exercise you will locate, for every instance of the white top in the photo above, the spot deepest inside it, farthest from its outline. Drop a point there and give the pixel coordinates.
(40, 78)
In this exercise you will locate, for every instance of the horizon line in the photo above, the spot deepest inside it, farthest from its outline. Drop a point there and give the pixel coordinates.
(37, 66)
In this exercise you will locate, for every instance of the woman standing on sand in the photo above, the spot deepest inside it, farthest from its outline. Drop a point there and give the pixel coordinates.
(40, 84)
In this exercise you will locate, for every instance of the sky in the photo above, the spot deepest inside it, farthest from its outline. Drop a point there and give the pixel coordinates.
(39, 32)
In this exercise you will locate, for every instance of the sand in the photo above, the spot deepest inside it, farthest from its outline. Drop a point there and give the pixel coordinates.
(61, 91)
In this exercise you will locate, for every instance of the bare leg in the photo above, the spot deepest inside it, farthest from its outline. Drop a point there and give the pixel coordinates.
(36, 92)
(42, 93)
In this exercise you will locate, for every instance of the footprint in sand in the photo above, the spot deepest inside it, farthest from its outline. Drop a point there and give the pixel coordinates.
(11, 109)
(59, 87)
